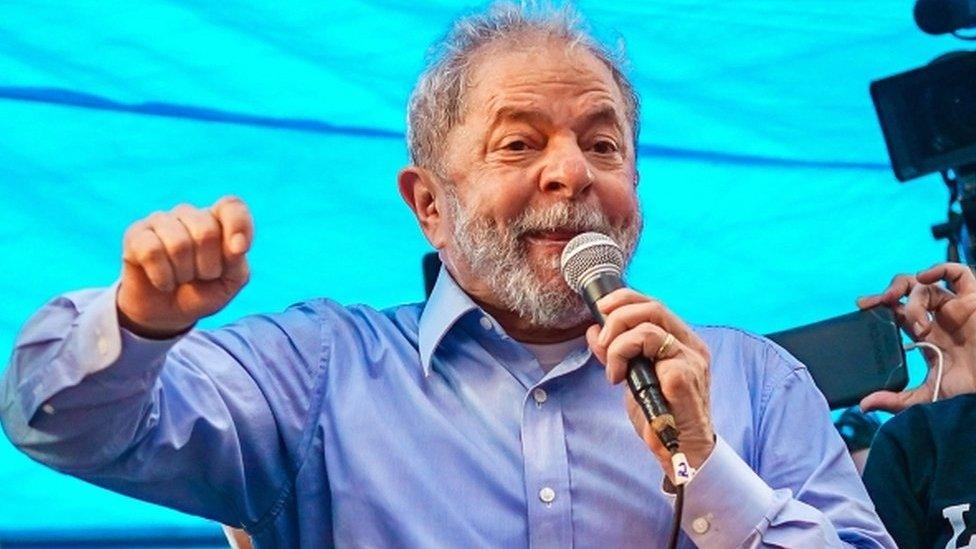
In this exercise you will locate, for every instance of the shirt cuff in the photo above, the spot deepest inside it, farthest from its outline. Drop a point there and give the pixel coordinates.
(726, 501)
(96, 341)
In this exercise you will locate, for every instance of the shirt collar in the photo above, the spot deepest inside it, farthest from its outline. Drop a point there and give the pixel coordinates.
(445, 306)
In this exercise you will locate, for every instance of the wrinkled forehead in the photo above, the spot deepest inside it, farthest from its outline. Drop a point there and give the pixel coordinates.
(542, 68)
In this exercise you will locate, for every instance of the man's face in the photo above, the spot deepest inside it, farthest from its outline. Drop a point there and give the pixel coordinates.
(543, 153)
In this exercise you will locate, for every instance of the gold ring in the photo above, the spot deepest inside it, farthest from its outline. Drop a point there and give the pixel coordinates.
(668, 340)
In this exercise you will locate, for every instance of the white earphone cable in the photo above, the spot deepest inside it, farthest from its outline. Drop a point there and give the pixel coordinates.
(940, 363)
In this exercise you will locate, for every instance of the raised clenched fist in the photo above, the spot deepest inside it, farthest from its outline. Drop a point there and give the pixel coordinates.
(182, 265)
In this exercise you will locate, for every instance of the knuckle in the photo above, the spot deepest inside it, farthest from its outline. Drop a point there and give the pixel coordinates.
(206, 233)
(626, 293)
(678, 379)
(900, 278)
(649, 332)
(131, 236)
(229, 202)
(181, 247)
(157, 217)
(615, 350)
(148, 253)
(706, 356)
(183, 208)
(611, 323)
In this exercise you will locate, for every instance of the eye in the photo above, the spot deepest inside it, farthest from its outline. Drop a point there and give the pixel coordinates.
(605, 146)
(516, 145)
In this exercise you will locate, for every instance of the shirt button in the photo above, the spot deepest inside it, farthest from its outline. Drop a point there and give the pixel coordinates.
(539, 395)
(48, 409)
(102, 345)
(700, 525)
(486, 323)
(547, 494)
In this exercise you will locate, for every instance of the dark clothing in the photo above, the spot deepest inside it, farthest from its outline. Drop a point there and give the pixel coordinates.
(921, 474)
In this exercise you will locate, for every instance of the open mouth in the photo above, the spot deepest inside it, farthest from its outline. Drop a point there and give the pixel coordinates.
(557, 237)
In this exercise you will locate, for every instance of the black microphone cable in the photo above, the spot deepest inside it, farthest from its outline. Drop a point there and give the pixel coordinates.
(591, 264)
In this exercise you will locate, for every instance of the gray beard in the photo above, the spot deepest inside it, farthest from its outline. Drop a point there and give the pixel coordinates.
(533, 290)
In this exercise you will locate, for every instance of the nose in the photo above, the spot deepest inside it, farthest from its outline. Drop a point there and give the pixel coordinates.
(567, 172)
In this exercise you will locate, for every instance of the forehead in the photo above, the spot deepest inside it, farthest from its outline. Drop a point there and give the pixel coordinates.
(550, 75)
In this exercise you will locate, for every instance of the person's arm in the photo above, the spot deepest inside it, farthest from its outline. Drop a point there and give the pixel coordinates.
(112, 386)
(805, 491)
(889, 472)
(207, 423)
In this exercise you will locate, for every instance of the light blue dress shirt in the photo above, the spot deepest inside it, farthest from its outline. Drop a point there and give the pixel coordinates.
(419, 426)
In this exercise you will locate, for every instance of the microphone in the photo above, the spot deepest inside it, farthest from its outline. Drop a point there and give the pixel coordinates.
(591, 264)
(944, 16)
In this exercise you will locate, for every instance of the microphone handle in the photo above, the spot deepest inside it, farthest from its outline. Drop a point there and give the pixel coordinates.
(641, 376)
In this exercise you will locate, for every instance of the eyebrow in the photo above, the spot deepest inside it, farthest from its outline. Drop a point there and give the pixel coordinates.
(604, 113)
(517, 114)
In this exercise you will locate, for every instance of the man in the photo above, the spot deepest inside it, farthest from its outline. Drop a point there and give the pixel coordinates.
(920, 472)
(484, 417)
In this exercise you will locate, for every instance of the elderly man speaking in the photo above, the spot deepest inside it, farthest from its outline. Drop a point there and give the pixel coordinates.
(493, 415)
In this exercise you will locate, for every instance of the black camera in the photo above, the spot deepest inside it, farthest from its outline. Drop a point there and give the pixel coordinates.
(928, 115)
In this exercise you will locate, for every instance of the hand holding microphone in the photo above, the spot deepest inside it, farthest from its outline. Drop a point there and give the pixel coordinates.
(665, 363)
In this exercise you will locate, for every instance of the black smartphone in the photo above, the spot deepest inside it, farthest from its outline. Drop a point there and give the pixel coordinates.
(850, 356)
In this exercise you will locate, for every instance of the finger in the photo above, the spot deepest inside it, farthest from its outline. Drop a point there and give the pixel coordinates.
(899, 287)
(890, 401)
(869, 301)
(624, 307)
(620, 297)
(626, 316)
(207, 236)
(236, 225)
(645, 339)
(916, 311)
(176, 240)
(236, 273)
(592, 333)
(143, 249)
(923, 299)
(959, 276)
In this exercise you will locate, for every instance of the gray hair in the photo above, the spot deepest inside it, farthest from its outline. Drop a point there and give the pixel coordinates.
(438, 101)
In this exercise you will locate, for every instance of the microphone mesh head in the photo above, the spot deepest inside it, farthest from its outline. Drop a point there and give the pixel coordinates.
(587, 253)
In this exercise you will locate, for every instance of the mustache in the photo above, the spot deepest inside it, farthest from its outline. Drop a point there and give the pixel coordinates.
(562, 216)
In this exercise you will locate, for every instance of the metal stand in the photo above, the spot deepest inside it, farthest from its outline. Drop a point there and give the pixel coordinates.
(962, 189)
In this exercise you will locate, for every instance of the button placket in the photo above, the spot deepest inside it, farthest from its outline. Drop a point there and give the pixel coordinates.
(546, 471)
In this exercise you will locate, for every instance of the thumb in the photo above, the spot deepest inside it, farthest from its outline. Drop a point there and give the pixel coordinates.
(237, 272)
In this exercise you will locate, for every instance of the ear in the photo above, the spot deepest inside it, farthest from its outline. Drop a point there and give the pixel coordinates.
(420, 189)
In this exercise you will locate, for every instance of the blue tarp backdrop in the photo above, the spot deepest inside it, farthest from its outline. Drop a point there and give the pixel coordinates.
(764, 178)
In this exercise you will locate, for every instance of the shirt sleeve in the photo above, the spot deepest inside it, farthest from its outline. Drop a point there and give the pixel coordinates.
(802, 491)
(888, 476)
(209, 423)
